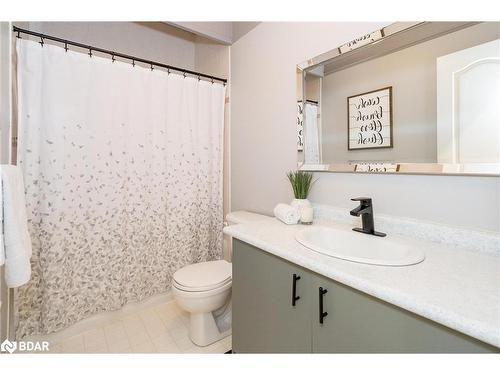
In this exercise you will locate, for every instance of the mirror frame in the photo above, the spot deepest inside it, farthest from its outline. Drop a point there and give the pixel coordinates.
(424, 31)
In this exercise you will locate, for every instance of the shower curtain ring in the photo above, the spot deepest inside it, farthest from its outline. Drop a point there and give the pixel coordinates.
(113, 57)
(90, 51)
(152, 67)
(184, 74)
(41, 41)
(199, 78)
(133, 63)
(19, 35)
(212, 81)
(66, 46)
(168, 71)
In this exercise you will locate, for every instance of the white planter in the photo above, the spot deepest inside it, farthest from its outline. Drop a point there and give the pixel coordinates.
(300, 203)
(305, 209)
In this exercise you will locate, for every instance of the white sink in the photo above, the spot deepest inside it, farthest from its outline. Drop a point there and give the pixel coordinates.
(359, 247)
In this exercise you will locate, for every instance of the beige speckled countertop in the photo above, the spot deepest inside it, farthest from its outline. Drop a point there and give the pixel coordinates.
(454, 287)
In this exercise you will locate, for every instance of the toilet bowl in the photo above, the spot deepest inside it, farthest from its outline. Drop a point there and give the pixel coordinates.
(204, 290)
(201, 289)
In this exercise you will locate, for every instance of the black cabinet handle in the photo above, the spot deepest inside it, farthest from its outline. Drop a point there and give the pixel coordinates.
(294, 289)
(321, 313)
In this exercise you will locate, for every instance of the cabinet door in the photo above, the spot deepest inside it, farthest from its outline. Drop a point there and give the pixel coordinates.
(264, 320)
(359, 323)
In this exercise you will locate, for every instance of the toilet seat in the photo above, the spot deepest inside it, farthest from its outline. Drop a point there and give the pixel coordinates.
(200, 294)
(205, 276)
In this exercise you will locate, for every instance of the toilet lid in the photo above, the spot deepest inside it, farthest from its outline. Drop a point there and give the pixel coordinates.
(204, 275)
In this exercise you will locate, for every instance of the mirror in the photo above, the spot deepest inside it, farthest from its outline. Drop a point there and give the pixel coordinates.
(419, 98)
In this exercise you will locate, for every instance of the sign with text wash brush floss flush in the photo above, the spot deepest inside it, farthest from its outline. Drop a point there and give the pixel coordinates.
(370, 120)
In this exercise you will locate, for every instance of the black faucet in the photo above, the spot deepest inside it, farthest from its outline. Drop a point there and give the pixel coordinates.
(365, 209)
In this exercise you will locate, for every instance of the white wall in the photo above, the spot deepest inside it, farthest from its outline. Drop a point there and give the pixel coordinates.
(241, 28)
(263, 144)
(211, 57)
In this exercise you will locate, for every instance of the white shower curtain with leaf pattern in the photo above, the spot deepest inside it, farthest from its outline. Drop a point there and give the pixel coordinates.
(123, 176)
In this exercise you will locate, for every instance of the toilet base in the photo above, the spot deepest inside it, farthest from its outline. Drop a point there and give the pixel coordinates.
(203, 329)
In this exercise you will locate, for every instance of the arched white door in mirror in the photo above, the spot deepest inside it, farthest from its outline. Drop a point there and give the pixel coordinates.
(468, 87)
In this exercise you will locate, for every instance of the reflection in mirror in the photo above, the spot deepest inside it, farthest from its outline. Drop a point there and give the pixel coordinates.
(468, 99)
(312, 93)
(308, 105)
(429, 96)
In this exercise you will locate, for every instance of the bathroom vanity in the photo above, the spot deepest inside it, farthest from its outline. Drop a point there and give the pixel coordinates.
(288, 298)
(406, 99)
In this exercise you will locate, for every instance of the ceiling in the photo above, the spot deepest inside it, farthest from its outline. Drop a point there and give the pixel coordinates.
(222, 32)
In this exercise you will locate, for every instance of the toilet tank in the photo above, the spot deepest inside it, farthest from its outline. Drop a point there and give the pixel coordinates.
(239, 217)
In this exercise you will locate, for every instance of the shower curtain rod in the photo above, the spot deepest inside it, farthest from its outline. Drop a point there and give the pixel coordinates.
(114, 54)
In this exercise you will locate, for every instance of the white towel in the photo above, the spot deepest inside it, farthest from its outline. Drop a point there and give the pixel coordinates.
(287, 213)
(16, 238)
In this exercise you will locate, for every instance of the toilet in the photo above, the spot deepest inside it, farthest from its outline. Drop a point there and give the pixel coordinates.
(204, 290)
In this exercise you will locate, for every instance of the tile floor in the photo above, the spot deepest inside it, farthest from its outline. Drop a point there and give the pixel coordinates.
(159, 329)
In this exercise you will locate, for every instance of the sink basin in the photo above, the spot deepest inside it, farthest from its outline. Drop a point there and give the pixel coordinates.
(359, 247)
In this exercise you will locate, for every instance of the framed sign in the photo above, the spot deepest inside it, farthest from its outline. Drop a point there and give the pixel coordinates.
(376, 167)
(361, 41)
(369, 120)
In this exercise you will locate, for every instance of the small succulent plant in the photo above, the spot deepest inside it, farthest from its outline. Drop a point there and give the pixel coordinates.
(301, 183)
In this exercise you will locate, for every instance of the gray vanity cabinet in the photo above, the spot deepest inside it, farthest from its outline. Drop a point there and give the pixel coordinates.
(359, 323)
(264, 320)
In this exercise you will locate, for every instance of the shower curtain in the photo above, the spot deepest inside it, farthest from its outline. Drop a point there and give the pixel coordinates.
(311, 134)
(123, 175)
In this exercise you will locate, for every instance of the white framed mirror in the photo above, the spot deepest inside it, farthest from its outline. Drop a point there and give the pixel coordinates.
(414, 98)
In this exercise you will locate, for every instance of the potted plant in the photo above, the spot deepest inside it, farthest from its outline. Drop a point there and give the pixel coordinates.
(301, 182)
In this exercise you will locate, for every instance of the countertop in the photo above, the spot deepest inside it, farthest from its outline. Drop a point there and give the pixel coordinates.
(457, 288)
